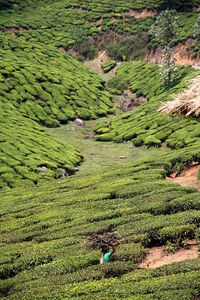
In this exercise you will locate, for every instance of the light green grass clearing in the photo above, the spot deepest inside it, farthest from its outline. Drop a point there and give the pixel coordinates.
(100, 154)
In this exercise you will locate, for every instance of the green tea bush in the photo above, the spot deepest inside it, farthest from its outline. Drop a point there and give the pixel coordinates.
(152, 141)
(44, 230)
(85, 27)
(108, 65)
(66, 89)
(173, 234)
(26, 148)
(144, 125)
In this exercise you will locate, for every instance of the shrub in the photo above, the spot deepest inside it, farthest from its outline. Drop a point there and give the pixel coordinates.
(176, 233)
(152, 141)
(108, 65)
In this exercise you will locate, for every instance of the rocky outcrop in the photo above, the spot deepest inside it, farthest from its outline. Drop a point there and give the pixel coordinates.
(79, 122)
(131, 101)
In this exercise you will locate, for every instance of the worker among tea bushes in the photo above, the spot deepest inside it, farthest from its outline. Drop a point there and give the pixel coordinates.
(106, 255)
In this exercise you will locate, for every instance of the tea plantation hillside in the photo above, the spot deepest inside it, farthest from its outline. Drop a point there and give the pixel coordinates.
(26, 149)
(48, 212)
(71, 24)
(43, 254)
(49, 86)
(144, 125)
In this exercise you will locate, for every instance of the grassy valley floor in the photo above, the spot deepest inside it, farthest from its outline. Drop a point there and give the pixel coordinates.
(100, 154)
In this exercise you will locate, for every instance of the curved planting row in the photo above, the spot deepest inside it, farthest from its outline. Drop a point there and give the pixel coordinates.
(144, 125)
(43, 234)
(48, 86)
(28, 154)
(68, 22)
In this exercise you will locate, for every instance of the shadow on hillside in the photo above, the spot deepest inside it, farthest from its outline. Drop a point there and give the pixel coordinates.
(5, 5)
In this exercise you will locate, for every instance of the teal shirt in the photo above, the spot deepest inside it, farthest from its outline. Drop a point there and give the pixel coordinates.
(107, 256)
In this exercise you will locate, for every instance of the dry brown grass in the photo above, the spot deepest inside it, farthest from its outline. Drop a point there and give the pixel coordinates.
(186, 103)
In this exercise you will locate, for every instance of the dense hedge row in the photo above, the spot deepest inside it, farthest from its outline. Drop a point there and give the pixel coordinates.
(47, 85)
(28, 154)
(43, 232)
(144, 125)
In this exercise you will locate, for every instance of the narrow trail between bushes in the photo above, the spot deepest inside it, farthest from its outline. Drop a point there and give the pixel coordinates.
(158, 256)
(189, 177)
(95, 66)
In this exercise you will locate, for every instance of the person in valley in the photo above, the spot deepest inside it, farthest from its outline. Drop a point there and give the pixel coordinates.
(106, 254)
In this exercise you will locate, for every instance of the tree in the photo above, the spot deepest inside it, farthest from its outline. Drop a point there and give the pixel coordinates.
(197, 29)
(165, 31)
(177, 4)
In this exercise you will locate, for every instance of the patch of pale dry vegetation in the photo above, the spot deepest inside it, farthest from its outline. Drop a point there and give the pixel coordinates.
(186, 103)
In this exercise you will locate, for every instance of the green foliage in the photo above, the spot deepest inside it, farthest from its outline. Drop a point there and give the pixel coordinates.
(165, 31)
(25, 148)
(144, 125)
(165, 27)
(48, 86)
(83, 26)
(83, 45)
(152, 141)
(133, 47)
(197, 29)
(44, 229)
(108, 65)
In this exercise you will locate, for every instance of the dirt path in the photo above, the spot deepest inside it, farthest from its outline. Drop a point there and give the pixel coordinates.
(188, 177)
(95, 65)
(158, 256)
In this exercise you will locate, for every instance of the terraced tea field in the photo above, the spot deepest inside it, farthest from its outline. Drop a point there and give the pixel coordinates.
(119, 172)
(44, 230)
(144, 125)
(70, 25)
(26, 151)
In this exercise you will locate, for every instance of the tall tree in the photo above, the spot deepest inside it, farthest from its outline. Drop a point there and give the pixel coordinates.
(178, 4)
(197, 29)
(165, 31)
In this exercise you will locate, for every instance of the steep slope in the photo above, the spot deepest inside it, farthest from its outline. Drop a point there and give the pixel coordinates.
(144, 125)
(28, 154)
(43, 252)
(44, 229)
(70, 23)
(47, 85)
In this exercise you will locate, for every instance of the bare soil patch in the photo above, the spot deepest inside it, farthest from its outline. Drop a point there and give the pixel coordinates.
(141, 15)
(13, 30)
(95, 65)
(158, 256)
(189, 177)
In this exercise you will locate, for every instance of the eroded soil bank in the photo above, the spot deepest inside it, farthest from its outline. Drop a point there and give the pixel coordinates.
(182, 55)
(189, 177)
